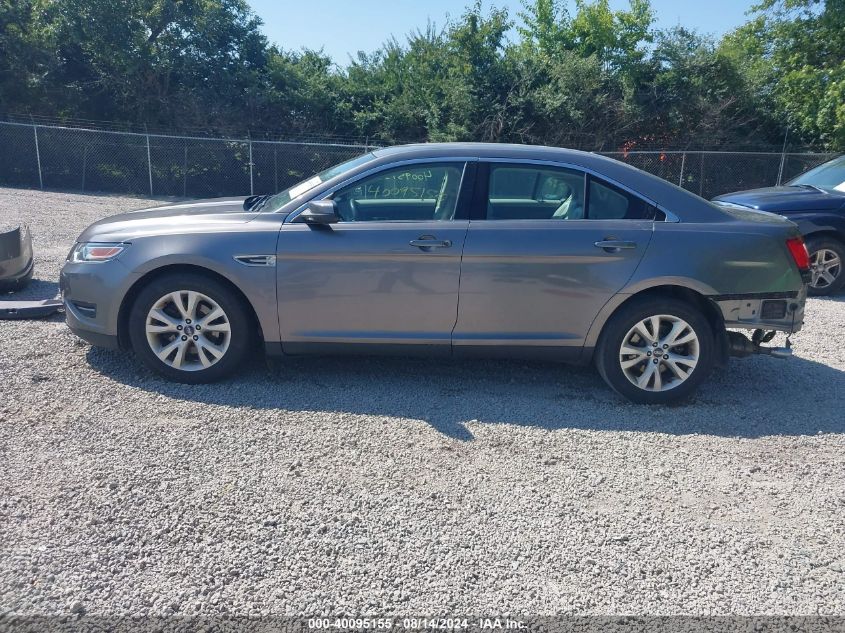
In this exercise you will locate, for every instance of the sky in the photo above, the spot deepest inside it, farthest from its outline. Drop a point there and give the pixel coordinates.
(343, 27)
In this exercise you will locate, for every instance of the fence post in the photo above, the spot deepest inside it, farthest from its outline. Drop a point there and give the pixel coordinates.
(38, 158)
(149, 165)
(185, 173)
(683, 162)
(84, 165)
(783, 156)
(251, 184)
(780, 170)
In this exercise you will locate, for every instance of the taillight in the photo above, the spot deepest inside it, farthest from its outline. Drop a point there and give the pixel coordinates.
(799, 252)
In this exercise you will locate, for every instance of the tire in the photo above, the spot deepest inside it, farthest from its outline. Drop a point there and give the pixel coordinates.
(824, 253)
(666, 386)
(196, 356)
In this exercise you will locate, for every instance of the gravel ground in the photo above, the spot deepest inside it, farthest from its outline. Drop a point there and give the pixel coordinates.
(390, 486)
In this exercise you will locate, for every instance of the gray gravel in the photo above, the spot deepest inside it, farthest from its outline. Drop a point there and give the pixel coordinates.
(383, 486)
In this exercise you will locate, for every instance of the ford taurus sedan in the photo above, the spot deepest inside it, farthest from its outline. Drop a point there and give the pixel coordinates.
(447, 250)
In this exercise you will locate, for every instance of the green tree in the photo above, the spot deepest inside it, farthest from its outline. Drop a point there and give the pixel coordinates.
(454, 84)
(152, 61)
(594, 78)
(23, 57)
(588, 70)
(480, 81)
(700, 97)
(398, 93)
(304, 95)
(796, 53)
(544, 26)
(617, 38)
(576, 103)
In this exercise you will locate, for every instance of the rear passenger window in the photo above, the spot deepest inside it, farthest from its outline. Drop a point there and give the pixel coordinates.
(540, 192)
(607, 202)
(529, 192)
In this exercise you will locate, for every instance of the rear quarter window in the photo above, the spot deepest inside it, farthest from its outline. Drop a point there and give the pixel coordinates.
(608, 202)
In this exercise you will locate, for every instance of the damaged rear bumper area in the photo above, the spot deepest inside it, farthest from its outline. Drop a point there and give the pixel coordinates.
(780, 311)
(765, 314)
(16, 262)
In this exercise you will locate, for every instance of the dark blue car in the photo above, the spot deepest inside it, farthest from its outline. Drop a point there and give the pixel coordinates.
(815, 201)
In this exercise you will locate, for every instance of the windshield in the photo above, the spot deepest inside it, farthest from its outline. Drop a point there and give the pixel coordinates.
(830, 175)
(283, 197)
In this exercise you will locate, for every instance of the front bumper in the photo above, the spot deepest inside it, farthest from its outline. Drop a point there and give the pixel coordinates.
(92, 294)
(781, 311)
(16, 260)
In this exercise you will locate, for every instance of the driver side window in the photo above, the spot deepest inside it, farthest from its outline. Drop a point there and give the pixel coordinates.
(422, 192)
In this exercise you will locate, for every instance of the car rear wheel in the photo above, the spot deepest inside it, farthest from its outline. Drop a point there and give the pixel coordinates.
(189, 328)
(827, 257)
(656, 351)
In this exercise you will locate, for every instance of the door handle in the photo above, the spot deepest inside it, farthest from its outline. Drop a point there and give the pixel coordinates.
(614, 246)
(427, 241)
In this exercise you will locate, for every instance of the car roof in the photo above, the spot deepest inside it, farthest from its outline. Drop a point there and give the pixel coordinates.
(488, 150)
(686, 205)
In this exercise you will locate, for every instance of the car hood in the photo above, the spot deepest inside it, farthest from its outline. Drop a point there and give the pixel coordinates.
(195, 216)
(785, 199)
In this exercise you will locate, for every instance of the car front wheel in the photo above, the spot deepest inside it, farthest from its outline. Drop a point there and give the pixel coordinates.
(826, 259)
(189, 328)
(656, 351)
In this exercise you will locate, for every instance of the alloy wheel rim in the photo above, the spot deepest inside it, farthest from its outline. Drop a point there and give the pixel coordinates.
(659, 353)
(826, 266)
(188, 330)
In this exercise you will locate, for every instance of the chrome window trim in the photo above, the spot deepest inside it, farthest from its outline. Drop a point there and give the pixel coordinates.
(670, 217)
(255, 260)
(375, 170)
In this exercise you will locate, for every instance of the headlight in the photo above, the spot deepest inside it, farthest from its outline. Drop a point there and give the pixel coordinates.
(96, 251)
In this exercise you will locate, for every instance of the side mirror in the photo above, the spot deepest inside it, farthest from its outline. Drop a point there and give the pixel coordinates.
(319, 212)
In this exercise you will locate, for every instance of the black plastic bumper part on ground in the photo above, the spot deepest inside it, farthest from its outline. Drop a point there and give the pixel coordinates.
(29, 309)
(16, 261)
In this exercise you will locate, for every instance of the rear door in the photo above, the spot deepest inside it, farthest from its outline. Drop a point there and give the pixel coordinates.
(547, 247)
(387, 275)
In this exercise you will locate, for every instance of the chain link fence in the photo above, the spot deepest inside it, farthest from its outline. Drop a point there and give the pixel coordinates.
(75, 159)
(711, 173)
(86, 160)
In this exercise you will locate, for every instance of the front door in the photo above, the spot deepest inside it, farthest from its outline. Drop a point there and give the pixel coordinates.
(554, 245)
(386, 276)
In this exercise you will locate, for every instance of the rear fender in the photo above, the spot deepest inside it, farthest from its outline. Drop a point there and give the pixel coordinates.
(669, 285)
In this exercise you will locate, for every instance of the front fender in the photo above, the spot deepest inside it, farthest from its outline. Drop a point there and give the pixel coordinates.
(216, 253)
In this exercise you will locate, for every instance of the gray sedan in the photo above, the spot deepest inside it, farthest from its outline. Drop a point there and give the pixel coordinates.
(447, 250)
